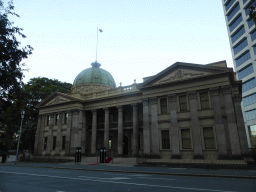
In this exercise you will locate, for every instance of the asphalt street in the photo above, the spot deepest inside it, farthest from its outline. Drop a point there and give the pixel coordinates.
(30, 179)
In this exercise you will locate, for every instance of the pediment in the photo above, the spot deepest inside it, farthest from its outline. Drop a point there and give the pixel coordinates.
(57, 100)
(180, 75)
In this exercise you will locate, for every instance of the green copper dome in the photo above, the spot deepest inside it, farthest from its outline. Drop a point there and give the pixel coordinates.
(95, 75)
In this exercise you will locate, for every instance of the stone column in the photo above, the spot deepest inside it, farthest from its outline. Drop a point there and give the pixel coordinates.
(84, 133)
(94, 132)
(75, 136)
(174, 127)
(195, 124)
(219, 124)
(240, 124)
(106, 130)
(120, 130)
(135, 149)
(49, 142)
(58, 138)
(154, 127)
(68, 135)
(231, 120)
(38, 134)
(41, 135)
(146, 131)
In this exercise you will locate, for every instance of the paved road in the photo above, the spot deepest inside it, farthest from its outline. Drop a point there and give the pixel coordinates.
(30, 179)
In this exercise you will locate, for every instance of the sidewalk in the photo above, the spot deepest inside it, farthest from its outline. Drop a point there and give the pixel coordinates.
(127, 168)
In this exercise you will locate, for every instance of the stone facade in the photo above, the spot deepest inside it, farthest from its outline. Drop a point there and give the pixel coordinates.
(187, 111)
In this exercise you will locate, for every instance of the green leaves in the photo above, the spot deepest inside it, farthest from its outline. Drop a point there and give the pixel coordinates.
(252, 14)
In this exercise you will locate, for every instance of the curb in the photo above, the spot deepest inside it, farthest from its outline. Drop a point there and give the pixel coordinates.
(145, 172)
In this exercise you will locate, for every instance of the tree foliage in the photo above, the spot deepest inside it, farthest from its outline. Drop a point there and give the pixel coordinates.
(11, 54)
(32, 93)
(252, 13)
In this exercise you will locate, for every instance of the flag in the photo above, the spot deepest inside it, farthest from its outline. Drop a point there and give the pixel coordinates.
(100, 30)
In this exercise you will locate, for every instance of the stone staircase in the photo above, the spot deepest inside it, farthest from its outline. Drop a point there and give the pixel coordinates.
(117, 161)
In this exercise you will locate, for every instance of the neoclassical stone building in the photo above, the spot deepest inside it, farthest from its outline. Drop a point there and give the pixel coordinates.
(186, 111)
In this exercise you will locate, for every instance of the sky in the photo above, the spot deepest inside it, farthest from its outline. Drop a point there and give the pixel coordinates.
(140, 38)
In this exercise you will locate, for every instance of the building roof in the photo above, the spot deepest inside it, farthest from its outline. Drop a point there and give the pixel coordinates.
(95, 75)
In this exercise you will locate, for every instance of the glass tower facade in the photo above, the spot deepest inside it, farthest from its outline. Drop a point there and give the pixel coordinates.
(242, 38)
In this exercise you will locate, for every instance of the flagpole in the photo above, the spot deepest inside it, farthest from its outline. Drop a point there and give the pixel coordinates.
(97, 45)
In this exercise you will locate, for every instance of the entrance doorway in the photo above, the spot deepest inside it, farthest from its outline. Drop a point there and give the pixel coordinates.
(125, 145)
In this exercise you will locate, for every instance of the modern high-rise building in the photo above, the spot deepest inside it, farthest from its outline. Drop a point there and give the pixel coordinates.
(242, 38)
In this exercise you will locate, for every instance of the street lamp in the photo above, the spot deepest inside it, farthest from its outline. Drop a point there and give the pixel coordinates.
(22, 117)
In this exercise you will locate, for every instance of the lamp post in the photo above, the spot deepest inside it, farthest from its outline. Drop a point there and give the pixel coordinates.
(22, 117)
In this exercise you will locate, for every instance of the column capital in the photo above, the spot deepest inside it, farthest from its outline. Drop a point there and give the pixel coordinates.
(120, 108)
(94, 110)
(153, 100)
(106, 109)
(226, 89)
(145, 101)
(192, 95)
(172, 97)
(75, 111)
(237, 98)
(134, 105)
(215, 91)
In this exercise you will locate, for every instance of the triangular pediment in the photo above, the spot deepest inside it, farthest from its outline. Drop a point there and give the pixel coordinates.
(180, 75)
(55, 99)
(185, 71)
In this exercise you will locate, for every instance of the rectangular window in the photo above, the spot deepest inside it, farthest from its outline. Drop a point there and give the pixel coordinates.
(186, 140)
(240, 46)
(238, 34)
(249, 85)
(65, 118)
(247, 10)
(183, 103)
(204, 100)
(209, 141)
(63, 142)
(163, 103)
(139, 141)
(110, 143)
(45, 143)
(250, 114)
(56, 119)
(253, 135)
(235, 23)
(254, 49)
(165, 139)
(233, 12)
(48, 119)
(229, 4)
(245, 57)
(244, 72)
(54, 143)
(250, 23)
(253, 35)
(249, 100)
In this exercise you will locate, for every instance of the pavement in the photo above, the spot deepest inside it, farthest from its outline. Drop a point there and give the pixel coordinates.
(134, 168)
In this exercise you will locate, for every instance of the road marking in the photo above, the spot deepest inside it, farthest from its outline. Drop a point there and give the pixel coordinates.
(117, 182)
(114, 178)
(113, 174)
(58, 171)
(140, 175)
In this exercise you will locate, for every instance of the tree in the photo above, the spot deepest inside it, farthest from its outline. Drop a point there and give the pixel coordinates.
(11, 54)
(252, 13)
(30, 95)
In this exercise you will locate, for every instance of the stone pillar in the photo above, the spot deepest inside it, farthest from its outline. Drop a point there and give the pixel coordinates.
(195, 124)
(120, 130)
(240, 124)
(135, 149)
(49, 142)
(38, 134)
(174, 127)
(231, 120)
(58, 138)
(68, 135)
(75, 136)
(94, 132)
(84, 133)
(41, 136)
(146, 131)
(106, 130)
(219, 124)
(154, 127)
